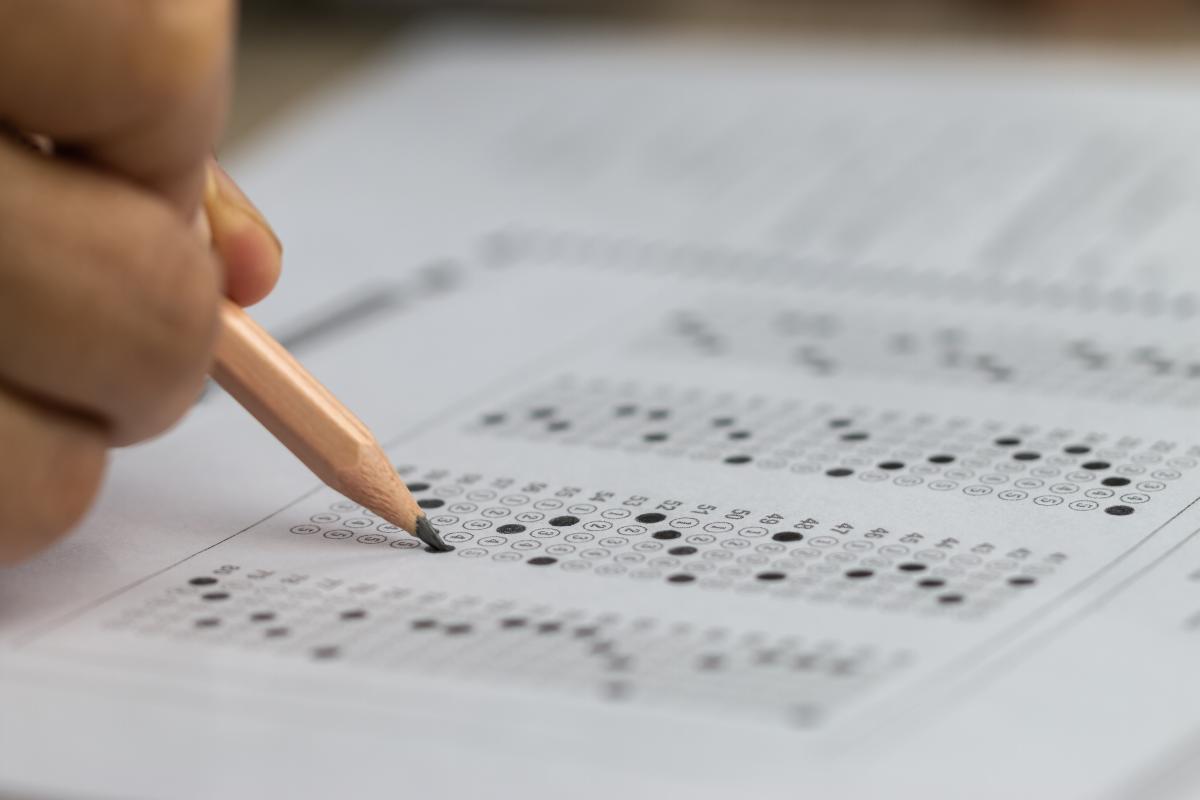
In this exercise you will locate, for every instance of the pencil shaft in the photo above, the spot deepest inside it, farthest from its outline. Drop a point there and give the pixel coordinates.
(264, 377)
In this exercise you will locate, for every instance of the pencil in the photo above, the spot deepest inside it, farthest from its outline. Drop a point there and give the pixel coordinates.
(302, 414)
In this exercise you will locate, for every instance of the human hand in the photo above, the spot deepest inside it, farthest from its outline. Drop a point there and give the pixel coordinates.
(108, 297)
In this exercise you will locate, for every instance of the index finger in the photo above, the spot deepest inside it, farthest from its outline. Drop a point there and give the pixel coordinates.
(138, 86)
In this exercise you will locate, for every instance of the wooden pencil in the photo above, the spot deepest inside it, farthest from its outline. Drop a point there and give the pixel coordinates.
(302, 414)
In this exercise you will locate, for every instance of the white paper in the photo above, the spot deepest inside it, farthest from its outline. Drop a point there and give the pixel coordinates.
(895, 351)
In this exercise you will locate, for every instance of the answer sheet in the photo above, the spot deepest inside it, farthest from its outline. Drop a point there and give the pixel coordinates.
(808, 421)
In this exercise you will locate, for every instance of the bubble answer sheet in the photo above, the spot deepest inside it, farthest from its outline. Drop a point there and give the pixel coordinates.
(808, 422)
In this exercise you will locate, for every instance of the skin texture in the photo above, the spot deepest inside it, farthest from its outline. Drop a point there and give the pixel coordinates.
(108, 292)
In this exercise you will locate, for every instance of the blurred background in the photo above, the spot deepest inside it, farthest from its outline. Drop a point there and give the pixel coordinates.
(292, 49)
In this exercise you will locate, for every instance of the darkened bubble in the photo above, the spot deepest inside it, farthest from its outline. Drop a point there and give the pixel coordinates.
(1026, 455)
(1077, 449)
(354, 613)
(619, 664)
(941, 458)
(431, 502)
(912, 566)
(931, 583)
(511, 527)
(564, 521)
(667, 534)
(739, 435)
(951, 599)
(771, 576)
(788, 536)
(650, 517)
(841, 422)
(657, 436)
(457, 629)
(659, 413)
(424, 624)
(1119, 511)
(890, 465)
(215, 596)
(1008, 441)
(419, 486)
(681, 577)
(542, 412)
(262, 616)
(549, 627)
(738, 459)
(855, 436)
(326, 652)
(804, 661)
(513, 622)
(558, 425)
(626, 410)
(683, 550)
(839, 472)
(208, 622)
(722, 422)
(276, 633)
(1116, 481)
(1022, 580)
(542, 561)
(859, 574)
(1096, 466)
(844, 666)
(493, 419)
(767, 657)
(202, 581)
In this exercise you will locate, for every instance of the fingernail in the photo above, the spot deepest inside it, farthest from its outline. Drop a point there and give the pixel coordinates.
(222, 192)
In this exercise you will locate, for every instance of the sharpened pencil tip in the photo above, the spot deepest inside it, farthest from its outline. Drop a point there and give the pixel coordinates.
(430, 536)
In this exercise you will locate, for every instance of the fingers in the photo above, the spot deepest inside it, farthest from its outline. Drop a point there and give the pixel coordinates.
(49, 475)
(107, 299)
(247, 246)
(139, 86)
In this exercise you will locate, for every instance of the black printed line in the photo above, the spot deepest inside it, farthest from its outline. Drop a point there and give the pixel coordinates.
(352, 312)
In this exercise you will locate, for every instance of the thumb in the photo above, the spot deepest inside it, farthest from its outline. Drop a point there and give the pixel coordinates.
(242, 238)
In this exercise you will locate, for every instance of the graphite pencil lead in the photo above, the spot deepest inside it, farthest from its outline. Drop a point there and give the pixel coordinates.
(430, 536)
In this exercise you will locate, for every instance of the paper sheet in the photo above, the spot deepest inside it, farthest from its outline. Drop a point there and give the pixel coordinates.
(814, 422)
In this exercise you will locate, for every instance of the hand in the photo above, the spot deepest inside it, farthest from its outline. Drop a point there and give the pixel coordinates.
(108, 297)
